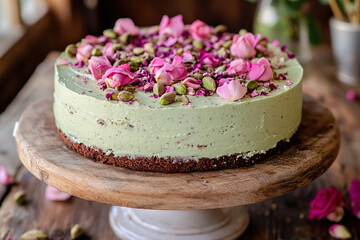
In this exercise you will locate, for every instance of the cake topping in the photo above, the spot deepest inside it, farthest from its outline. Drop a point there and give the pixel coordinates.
(173, 58)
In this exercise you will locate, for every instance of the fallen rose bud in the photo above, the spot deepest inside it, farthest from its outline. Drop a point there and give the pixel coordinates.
(54, 194)
(5, 178)
(339, 231)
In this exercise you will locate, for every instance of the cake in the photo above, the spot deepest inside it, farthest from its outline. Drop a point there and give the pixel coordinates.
(176, 97)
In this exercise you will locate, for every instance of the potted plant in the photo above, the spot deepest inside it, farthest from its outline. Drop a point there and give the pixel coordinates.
(345, 38)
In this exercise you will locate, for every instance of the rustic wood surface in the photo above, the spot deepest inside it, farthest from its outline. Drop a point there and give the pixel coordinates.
(283, 217)
(46, 156)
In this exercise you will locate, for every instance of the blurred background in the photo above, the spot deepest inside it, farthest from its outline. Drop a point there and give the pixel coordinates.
(30, 29)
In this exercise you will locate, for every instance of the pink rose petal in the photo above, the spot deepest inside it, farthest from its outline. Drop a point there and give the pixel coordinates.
(171, 26)
(232, 91)
(54, 194)
(126, 25)
(63, 62)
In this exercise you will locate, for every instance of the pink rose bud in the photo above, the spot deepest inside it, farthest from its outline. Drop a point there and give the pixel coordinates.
(200, 30)
(98, 66)
(325, 202)
(126, 25)
(261, 70)
(156, 64)
(208, 59)
(238, 67)
(351, 95)
(276, 43)
(192, 82)
(244, 46)
(118, 76)
(171, 26)
(336, 215)
(354, 196)
(339, 231)
(108, 50)
(5, 178)
(231, 91)
(54, 194)
(84, 51)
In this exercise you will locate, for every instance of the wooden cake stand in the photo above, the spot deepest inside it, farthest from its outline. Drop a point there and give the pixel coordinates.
(199, 205)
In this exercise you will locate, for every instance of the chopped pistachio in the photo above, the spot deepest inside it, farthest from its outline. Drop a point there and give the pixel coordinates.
(96, 52)
(34, 235)
(110, 33)
(221, 68)
(20, 197)
(125, 96)
(198, 45)
(251, 84)
(179, 88)
(159, 89)
(209, 83)
(71, 50)
(76, 231)
(138, 50)
(227, 44)
(136, 59)
(124, 37)
(167, 98)
(243, 32)
(220, 29)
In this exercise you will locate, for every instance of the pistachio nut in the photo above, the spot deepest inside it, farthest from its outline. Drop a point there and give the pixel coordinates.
(243, 32)
(222, 53)
(71, 50)
(110, 33)
(221, 68)
(251, 84)
(183, 99)
(125, 96)
(227, 44)
(34, 235)
(116, 46)
(138, 50)
(136, 59)
(113, 93)
(125, 37)
(220, 29)
(159, 89)
(96, 52)
(198, 45)
(20, 197)
(149, 47)
(76, 231)
(167, 98)
(209, 83)
(179, 88)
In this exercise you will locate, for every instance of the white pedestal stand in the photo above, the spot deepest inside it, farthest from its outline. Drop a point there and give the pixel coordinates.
(136, 224)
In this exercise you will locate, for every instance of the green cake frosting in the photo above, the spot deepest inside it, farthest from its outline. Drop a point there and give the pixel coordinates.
(213, 127)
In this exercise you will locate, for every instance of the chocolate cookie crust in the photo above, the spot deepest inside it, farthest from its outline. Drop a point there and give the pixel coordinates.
(171, 164)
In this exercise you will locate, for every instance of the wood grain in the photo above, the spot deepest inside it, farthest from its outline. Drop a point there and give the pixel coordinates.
(44, 154)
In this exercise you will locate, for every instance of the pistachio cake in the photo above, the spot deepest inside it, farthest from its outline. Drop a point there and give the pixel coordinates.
(176, 97)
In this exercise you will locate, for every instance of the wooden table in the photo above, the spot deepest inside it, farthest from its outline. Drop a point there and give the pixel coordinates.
(280, 218)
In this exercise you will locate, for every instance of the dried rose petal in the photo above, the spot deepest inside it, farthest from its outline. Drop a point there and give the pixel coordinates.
(5, 178)
(354, 195)
(339, 231)
(336, 215)
(55, 194)
(231, 91)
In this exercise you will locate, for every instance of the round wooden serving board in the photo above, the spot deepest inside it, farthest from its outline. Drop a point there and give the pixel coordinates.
(45, 155)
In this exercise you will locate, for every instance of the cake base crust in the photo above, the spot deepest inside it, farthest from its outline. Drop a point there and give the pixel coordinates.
(171, 164)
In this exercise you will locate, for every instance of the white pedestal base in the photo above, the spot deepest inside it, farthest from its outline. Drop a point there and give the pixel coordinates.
(136, 224)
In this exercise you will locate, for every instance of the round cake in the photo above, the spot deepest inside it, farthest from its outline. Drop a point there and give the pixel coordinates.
(176, 97)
